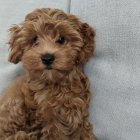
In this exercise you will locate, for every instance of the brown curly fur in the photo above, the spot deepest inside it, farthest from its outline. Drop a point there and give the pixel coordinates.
(48, 103)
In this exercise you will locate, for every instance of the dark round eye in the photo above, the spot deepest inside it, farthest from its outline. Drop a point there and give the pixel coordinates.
(61, 40)
(34, 40)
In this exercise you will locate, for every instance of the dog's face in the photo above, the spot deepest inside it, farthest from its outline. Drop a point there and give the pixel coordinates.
(51, 43)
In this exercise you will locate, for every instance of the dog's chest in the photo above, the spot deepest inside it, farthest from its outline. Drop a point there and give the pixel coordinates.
(44, 107)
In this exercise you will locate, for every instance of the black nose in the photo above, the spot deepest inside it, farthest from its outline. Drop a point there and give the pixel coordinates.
(47, 59)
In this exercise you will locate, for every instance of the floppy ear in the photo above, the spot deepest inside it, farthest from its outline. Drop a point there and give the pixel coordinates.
(14, 42)
(88, 35)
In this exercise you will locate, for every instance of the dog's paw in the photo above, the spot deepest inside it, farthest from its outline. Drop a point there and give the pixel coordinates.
(21, 135)
(32, 136)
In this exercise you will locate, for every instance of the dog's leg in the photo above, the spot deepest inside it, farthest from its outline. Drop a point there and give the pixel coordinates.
(68, 122)
(12, 111)
(12, 119)
(12, 115)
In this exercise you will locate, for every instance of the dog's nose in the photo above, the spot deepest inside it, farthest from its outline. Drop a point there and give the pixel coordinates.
(47, 59)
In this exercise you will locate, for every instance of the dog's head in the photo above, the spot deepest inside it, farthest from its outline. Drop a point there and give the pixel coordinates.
(51, 42)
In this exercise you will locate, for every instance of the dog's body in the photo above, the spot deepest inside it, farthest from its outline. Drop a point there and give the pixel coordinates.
(49, 102)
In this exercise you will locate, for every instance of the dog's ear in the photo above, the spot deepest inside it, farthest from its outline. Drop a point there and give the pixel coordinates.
(14, 44)
(88, 35)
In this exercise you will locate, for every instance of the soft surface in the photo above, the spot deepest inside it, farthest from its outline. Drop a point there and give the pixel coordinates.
(114, 71)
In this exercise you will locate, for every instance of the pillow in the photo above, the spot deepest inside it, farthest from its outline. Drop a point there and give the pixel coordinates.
(114, 71)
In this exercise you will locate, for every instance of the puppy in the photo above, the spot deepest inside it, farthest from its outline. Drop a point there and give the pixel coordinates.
(50, 101)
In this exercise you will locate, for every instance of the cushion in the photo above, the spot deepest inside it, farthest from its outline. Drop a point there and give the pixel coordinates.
(114, 71)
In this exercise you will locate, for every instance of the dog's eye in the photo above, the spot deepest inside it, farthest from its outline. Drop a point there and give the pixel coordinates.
(61, 40)
(34, 40)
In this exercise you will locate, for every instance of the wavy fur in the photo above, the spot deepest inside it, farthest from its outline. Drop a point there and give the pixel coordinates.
(48, 104)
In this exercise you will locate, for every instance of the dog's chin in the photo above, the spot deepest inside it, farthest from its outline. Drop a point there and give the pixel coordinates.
(49, 74)
(52, 75)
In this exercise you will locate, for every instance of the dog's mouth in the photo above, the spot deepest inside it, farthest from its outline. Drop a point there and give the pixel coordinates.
(51, 67)
(48, 68)
(56, 70)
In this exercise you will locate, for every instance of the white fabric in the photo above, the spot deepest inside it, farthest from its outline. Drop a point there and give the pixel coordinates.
(114, 72)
